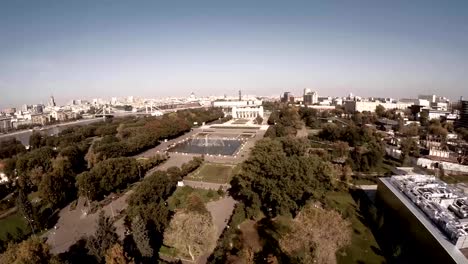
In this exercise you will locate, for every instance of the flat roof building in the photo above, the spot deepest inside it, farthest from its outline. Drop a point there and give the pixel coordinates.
(433, 214)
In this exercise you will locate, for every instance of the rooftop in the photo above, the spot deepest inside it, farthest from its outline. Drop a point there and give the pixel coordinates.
(444, 205)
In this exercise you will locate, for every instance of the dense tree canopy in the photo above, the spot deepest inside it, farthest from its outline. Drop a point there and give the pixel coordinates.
(10, 148)
(278, 178)
(58, 187)
(309, 116)
(31, 251)
(107, 176)
(41, 157)
(152, 193)
(284, 122)
(367, 149)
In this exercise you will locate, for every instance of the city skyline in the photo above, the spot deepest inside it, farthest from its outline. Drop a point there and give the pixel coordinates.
(149, 49)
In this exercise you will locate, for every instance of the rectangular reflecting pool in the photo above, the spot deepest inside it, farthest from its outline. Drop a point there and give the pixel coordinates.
(208, 146)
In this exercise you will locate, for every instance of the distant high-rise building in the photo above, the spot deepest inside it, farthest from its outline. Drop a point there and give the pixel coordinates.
(287, 97)
(52, 101)
(37, 109)
(26, 108)
(310, 97)
(240, 95)
(463, 120)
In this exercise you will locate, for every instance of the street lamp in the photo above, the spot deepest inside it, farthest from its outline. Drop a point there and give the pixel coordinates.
(30, 224)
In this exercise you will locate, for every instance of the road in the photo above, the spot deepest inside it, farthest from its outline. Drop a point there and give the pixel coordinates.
(24, 135)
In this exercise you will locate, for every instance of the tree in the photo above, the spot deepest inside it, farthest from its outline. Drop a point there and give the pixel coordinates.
(141, 237)
(88, 185)
(116, 255)
(195, 204)
(316, 234)
(258, 120)
(330, 132)
(31, 251)
(27, 210)
(380, 110)
(58, 187)
(192, 234)
(341, 149)
(35, 176)
(463, 133)
(424, 118)
(103, 239)
(10, 148)
(35, 158)
(279, 183)
(410, 130)
(36, 140)
(408, 147)
(436, 129)
(107, 176)
(309, 116)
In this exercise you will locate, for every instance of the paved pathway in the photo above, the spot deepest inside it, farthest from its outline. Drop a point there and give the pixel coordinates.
(75, 224)
(221, 211)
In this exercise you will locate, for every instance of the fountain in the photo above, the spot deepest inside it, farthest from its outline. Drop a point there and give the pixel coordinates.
(207, 142)
(207, 145)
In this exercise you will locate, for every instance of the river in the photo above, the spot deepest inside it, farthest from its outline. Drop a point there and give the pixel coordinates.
(24, 135)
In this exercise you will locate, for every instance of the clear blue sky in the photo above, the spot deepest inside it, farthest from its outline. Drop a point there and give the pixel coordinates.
(104, 48)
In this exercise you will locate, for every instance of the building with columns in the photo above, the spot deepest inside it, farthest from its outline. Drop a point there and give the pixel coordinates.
(247, 112)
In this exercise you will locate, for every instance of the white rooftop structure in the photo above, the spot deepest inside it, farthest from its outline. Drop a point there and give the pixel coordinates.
(444, 205)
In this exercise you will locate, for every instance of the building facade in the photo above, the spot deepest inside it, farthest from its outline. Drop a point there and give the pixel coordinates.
(229, 104)
(311, 98)
(415, 212)
(361, 106)
(5, 124)
(248, 112)
(463, 120)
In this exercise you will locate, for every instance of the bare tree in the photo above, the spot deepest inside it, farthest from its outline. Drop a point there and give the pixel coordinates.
(316, 234)
(191, 233)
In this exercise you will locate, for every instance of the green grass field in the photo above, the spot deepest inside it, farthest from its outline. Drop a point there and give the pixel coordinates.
(178, 199)
(11, 224)
(363, 248)
(215, 173)
(240, 122)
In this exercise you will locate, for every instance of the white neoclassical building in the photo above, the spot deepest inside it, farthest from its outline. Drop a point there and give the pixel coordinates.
(247, 112)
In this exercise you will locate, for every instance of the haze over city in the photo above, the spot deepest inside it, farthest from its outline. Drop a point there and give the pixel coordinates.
(86, 49)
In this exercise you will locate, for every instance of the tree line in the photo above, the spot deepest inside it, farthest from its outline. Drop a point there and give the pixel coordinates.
(59, 168)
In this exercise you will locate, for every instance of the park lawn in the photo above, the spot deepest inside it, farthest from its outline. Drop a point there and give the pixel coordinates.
(211, 172)
(178, 199)
(363, 248)
(168, 251)
(11, 224)
(240, 122)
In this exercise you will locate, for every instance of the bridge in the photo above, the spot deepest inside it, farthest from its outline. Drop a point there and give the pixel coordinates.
(149, 109)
